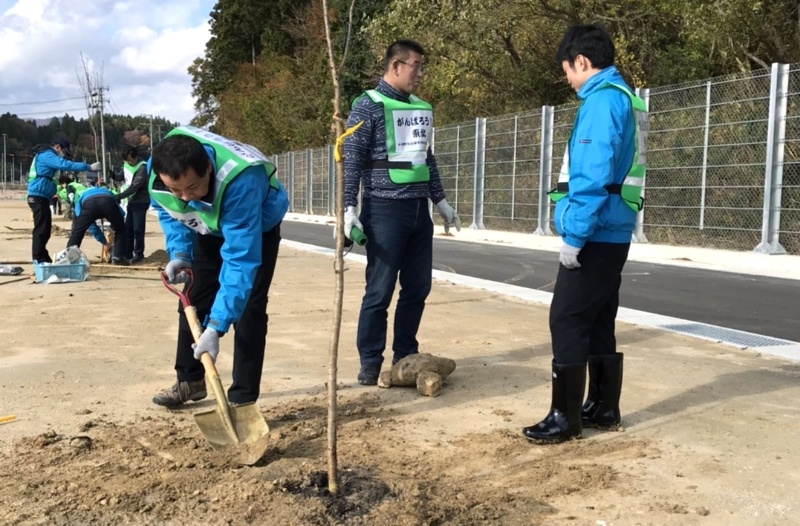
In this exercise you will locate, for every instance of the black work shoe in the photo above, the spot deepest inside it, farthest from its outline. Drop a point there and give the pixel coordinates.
(181, 393)
(368, 375)
(136, 259)
(121, 262)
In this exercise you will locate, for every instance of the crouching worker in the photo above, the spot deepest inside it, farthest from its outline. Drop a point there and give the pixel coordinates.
(90, 205)
(220, 207)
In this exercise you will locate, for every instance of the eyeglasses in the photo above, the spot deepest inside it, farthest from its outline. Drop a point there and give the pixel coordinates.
(417, 67)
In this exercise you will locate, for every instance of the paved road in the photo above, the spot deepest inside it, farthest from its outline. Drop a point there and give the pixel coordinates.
(761, 305)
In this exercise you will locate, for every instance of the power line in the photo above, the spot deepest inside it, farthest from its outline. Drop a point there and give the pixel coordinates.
(38, 101)
(49, 112)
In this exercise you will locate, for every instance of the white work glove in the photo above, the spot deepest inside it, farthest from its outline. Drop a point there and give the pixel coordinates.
(209, 342)
(449, 215)
(569, 256)
(351, 220)
(96, 167)
(174, 271)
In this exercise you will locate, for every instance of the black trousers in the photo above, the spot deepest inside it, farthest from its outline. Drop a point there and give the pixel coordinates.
(92, 209)
(42, 224)
(585, 303)
(250, 332)
(135, 221)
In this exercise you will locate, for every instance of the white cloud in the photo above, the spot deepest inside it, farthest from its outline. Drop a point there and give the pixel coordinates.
(141, 48)
(145, 54)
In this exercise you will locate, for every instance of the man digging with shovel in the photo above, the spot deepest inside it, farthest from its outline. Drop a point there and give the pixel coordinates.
(220, 208)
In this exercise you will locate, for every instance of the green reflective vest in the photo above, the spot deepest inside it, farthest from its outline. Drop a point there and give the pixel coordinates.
(77, 187)
(409, 132)
(631, 188)
(128, 171)
(232, 157)
(32, 172)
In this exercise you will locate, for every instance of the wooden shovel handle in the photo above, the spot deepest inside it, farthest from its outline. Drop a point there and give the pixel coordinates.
(208, 363)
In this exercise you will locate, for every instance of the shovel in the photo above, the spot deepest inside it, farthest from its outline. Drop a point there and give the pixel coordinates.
(239, 425)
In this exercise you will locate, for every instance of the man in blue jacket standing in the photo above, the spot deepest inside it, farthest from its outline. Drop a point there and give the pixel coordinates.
(47, 165)
(220, 207)
(598, 195)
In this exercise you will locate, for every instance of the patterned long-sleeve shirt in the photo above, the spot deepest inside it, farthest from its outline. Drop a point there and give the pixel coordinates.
(368, 144)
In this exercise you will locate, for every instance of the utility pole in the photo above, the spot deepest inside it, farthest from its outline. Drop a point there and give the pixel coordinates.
(5, 164)
(99, 105)
(151, 134)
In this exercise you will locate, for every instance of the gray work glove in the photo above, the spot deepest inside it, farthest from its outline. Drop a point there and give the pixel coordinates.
(174, 271)
(209, 342)
(569, 256)
(449, 215)
(96, 167)
(351, 220)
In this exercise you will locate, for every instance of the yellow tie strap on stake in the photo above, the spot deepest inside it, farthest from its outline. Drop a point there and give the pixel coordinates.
(7, 419)
(337, 152)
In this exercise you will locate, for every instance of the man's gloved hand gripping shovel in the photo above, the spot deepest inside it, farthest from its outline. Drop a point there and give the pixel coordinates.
(225, 425)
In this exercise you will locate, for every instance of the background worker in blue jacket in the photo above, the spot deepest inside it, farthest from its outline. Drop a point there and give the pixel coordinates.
(596, 202)
(220, 207)
(47, 165)
(93, 204)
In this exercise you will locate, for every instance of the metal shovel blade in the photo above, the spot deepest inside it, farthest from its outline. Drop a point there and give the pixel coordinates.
(251, 430)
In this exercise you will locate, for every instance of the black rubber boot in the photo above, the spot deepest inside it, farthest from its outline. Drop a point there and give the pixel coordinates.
(563, 422)
(601, 409)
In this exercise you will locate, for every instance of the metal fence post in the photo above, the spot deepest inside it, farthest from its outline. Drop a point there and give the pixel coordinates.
(704, 173)
(545, 171)
(309, 182)
(514, 167)
(458, 152)
(477, 198)
(638, 233)
(331, 182)
(290, 182)
(773, 176)
(433, 152)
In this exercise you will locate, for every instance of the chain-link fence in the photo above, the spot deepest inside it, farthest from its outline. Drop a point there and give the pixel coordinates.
(723, 165)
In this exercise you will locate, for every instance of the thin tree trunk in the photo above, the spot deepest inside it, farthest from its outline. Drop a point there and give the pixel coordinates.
(338, 128)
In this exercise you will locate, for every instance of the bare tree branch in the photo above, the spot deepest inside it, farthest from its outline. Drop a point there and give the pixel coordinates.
(349, 32)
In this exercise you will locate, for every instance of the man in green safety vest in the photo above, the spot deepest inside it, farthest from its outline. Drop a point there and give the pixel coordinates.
(388, 154)
(597, 198)
(138, 201)
(220, 206)
(47, 165)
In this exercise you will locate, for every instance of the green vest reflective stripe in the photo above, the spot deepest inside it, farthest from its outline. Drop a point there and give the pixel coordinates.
(409, 131)
(232, 157)
(631, 188)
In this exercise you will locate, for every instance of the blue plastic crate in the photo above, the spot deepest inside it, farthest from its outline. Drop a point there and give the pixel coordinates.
(73, 271)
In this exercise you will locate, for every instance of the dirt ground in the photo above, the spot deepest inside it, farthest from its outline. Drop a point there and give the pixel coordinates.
(710, 436)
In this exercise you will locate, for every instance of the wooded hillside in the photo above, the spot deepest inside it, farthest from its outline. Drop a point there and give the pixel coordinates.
(264, 76)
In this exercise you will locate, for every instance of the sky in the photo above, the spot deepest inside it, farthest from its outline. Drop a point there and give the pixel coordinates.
(141, 49)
